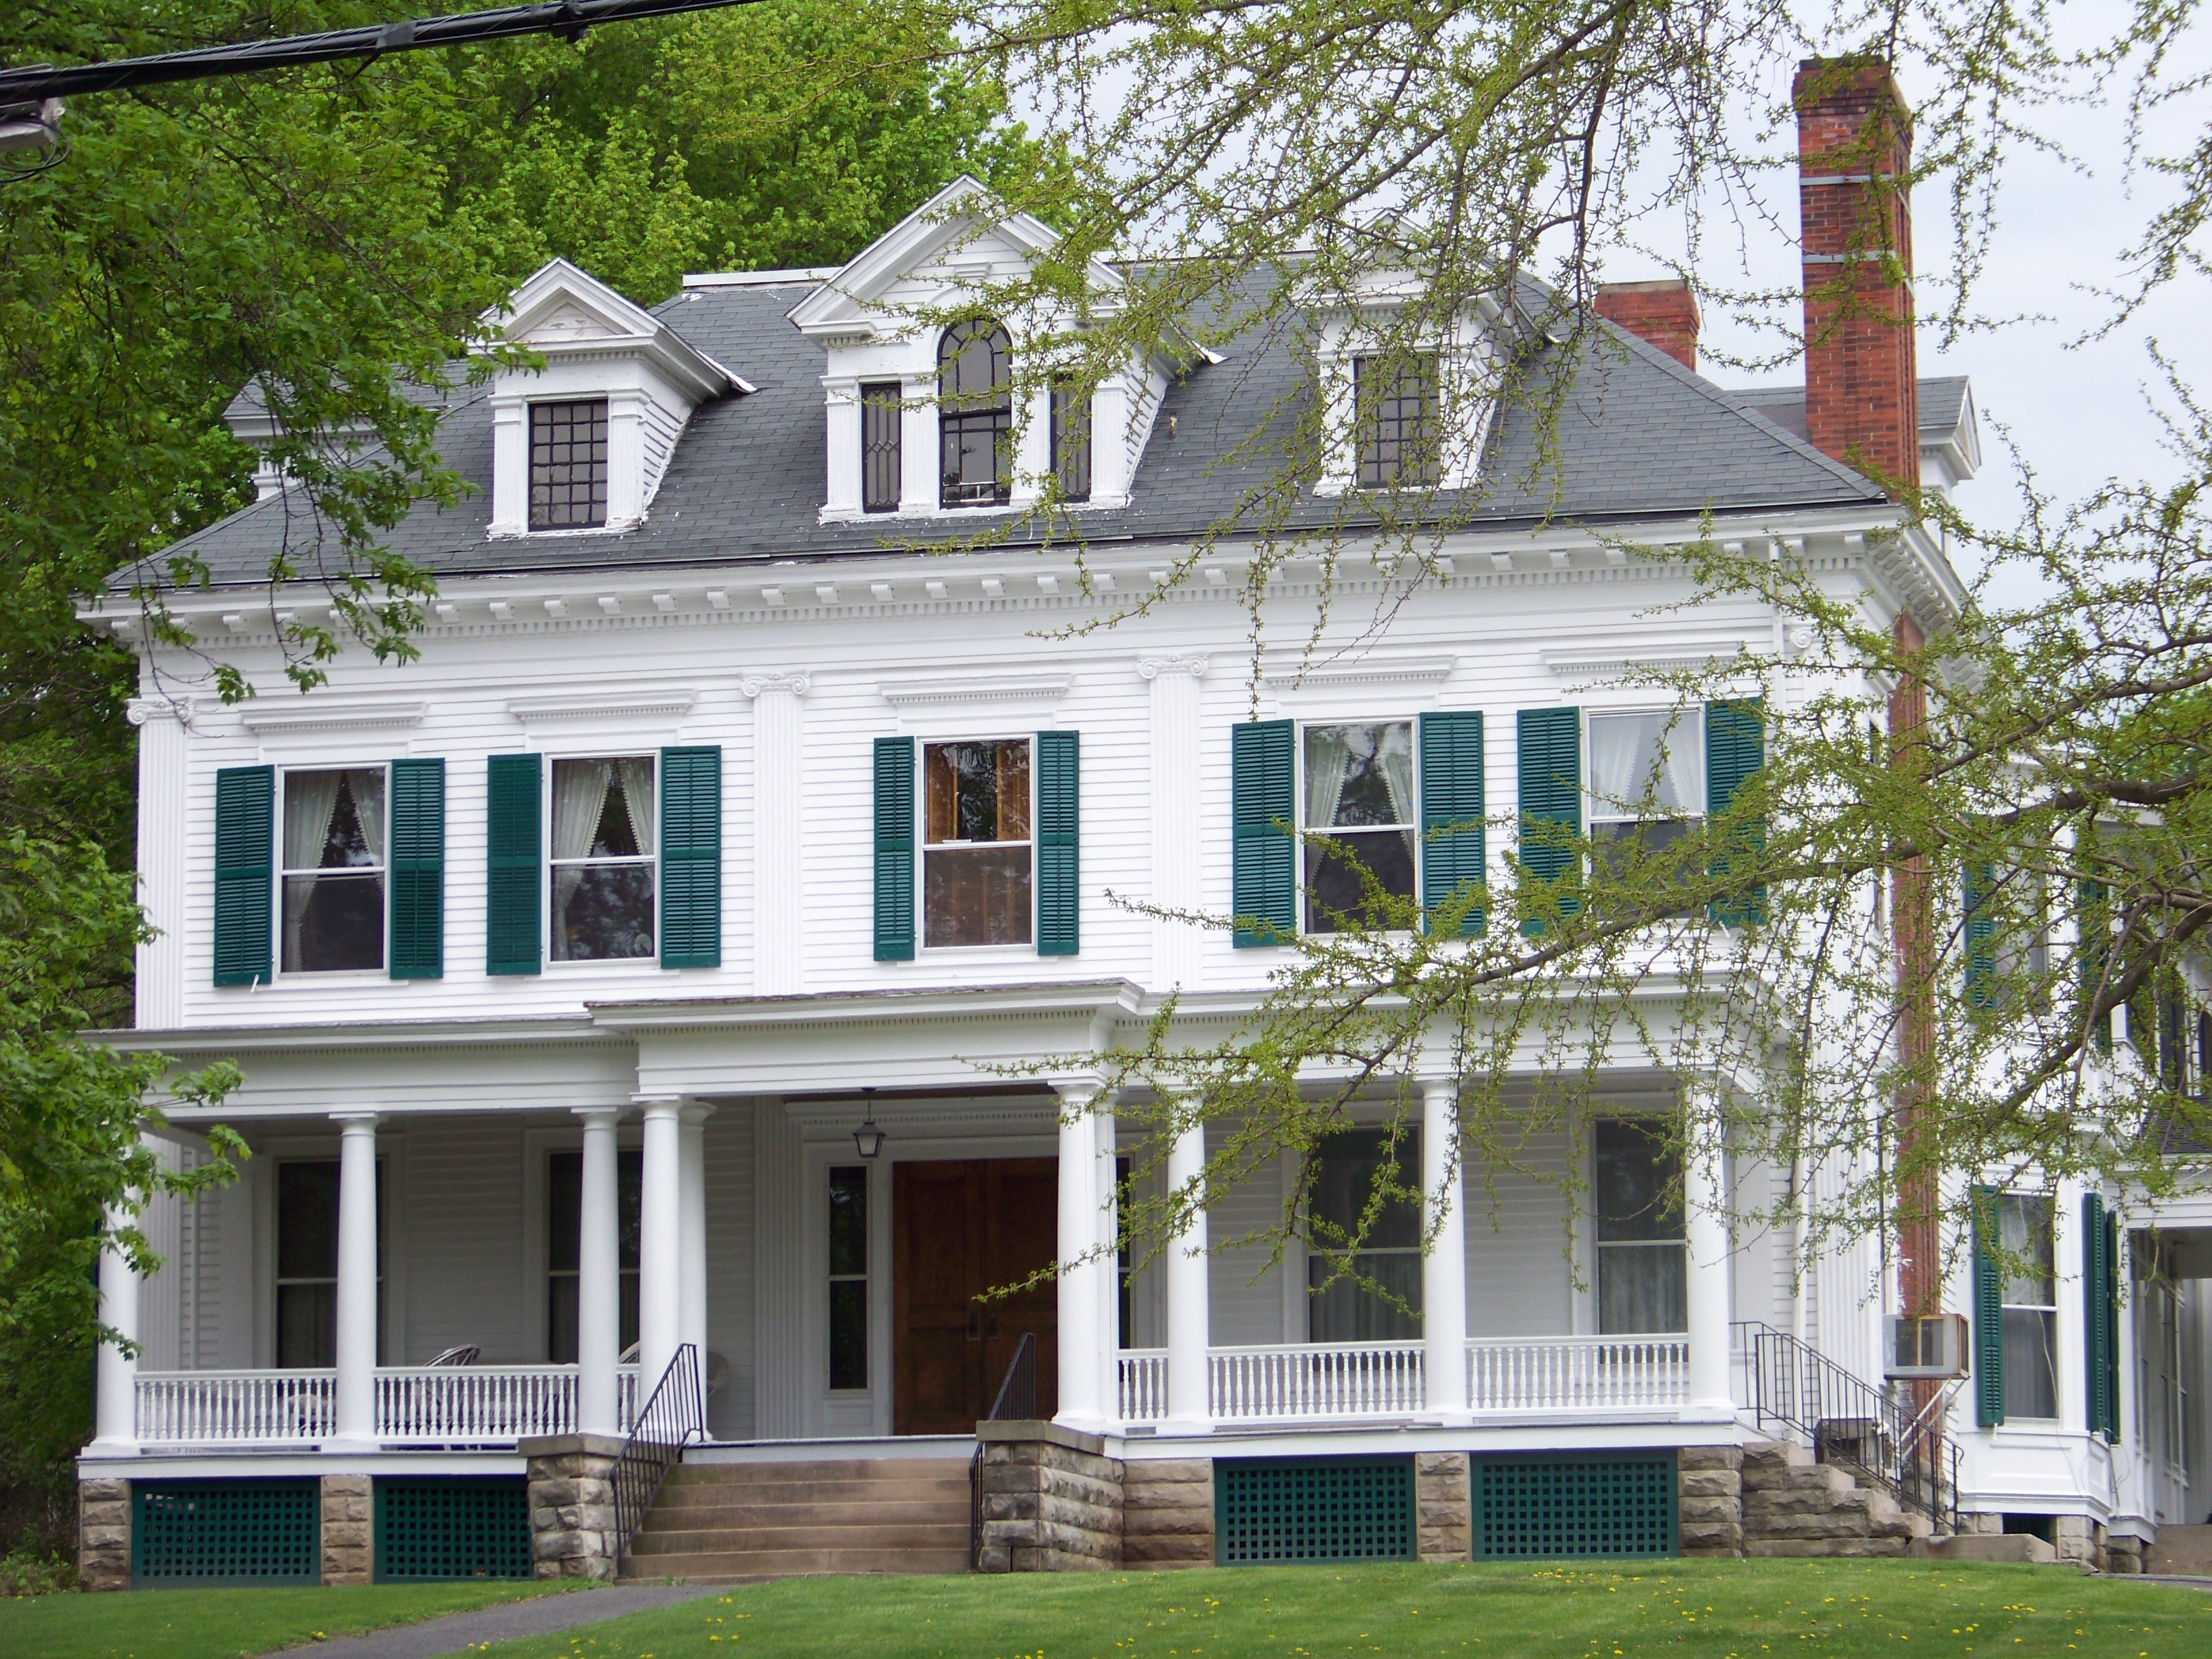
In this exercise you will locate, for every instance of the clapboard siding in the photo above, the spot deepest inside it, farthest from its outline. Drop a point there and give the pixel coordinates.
(731, 1256)
(1246, 1299)
(464, 1210)
(1519, 1281)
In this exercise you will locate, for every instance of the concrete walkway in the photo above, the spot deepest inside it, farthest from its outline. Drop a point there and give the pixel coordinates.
(534, 1616)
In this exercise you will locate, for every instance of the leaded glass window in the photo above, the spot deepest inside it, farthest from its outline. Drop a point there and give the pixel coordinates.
(975, 419)
(881, 456)
(1071, 440)
(1642, 1282)
(1394, 402)
(569, 464)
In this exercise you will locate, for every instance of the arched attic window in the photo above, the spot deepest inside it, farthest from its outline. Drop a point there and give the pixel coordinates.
(976, 418)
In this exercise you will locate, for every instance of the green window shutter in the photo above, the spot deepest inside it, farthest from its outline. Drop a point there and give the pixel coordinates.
(691, 857)
(1550, 761)
(2097, 1331)
(894, 849)
(1988, 1314)
(1264, 885)
(1980, 934)
(245, 846)
(1452, 815)
(1735, 747)
(2092, 956)
(418, 869)
(1060, 865)
(515, 846)
(2112, 1328)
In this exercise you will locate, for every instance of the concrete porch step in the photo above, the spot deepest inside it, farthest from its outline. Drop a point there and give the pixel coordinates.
(2186, 1551)
(776, 1512)
(724, 1541)
(674, 1497)
(744, 1564)
(840, 1469)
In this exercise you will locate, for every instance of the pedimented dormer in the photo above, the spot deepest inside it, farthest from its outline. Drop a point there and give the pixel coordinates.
(580, 444)
(932, 413)
(1407, 400)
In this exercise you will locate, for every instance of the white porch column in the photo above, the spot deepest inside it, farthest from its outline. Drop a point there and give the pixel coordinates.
(1106, 1223)
(1704, 1204)
(1443, 1268)
(1190, 1316)
(598, 1278)
(1082, 1356)
(353, 1401)
(660, 1242)
(115, 1419)
(691, 1272)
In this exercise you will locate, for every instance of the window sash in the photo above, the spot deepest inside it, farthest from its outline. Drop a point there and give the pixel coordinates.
(1394, 404)
(882, 446)
(569, 464)
(1615, 799)
(1071, 440)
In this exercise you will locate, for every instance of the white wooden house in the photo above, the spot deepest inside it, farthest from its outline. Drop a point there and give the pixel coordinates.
(719, 821)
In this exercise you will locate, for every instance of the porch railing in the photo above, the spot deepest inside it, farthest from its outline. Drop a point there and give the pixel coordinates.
(673, 1416)
(1576, 1374)
(442, 1405)
(1506, 1376)
(1280, 1382)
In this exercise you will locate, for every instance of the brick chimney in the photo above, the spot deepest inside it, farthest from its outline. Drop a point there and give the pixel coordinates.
(1663, 314)
(1854, 150)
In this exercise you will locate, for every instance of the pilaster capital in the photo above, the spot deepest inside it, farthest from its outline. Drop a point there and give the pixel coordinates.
(142, 710)
(1153, 667)
(795, 681)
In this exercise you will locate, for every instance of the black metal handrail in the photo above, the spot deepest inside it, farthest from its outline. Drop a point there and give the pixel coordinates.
(1851, 1423)
(671, 1419)
(1016, 1403)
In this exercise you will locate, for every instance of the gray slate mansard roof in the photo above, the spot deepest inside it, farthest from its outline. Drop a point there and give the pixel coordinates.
(1638, 437)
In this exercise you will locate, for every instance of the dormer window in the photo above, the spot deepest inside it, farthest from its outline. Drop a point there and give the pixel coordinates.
(1071, 440)
(1395, 402)
(883, 472)
(975, 419)
(568, 466)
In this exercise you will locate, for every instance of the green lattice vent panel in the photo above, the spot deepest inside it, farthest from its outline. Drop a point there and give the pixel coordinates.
(225, 1532)
(441, 1527)
(1313, 1509)
(1551, 1507)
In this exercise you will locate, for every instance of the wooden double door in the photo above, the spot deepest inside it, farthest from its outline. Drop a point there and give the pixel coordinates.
(960, 1229)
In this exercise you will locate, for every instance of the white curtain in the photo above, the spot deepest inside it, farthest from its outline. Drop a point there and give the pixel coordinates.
(367, 788)
(1396, 747)
(311, 801)
(1329, 760)
(580, 796)
(636, 775)
(1634, 758)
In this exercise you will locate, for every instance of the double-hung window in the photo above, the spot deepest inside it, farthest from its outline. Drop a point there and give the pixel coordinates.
(978, 856)
(564, 1230)
(2030, 1305)
(975, 415)
(334, 870)
(1394, 402)
(1647, 782)
(1358, 1219)
(1641, 1281)
(1360, 815)
(604, 864)
(569, 464)
(307, 1261)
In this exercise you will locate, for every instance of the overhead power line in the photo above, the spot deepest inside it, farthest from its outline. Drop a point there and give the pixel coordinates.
(23, 91)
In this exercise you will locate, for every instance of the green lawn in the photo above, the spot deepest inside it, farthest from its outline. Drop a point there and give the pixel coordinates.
(225, 1624)
(1682, 1609)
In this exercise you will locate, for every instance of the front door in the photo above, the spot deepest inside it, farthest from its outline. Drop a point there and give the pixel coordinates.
(961, 1229)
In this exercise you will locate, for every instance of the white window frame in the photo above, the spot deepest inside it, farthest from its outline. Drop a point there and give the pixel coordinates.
(922, 844)
(1598, 1247)
(1412, 725)
(326, 975)
(651, 861)
(2048, 1311)
(1690, 717)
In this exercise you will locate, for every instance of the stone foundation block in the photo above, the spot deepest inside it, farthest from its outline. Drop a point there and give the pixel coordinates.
(2122, 1553)
(1053, 1501)
(1442, 1499)
(1772, 1548)
(1709, 1512)
(1167, 1513)
(570, 1486)
(103, 1535)
(348, 1542)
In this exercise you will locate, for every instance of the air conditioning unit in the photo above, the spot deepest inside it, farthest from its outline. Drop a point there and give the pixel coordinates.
(1934, 1346)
